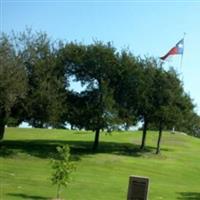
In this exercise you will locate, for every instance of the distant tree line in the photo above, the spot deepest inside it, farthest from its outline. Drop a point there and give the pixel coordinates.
(120, 88)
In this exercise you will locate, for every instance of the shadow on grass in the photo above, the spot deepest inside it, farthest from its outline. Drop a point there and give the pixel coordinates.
(189, 196)
(25, 196)
(47, 148)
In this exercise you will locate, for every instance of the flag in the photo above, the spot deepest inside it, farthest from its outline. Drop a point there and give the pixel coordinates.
(177, 49)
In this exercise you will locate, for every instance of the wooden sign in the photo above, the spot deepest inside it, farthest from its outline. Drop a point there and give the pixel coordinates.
(138, 188)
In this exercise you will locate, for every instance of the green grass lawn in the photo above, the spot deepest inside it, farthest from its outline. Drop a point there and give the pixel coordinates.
(25, 169)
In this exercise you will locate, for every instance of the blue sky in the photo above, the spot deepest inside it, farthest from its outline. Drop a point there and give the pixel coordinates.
(145, 27)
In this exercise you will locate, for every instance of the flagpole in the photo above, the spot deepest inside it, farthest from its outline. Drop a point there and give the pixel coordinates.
(181, 61)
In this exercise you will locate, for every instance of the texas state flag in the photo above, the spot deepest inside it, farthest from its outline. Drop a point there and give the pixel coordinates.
(177, 49)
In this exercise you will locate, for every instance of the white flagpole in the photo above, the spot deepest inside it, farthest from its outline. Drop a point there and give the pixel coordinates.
(181, 62)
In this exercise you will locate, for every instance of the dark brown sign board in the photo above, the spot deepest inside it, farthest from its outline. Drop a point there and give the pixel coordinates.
(138, 188)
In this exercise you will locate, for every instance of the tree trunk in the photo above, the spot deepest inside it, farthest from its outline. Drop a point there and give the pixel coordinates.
(144, 135)
(2, 129)
(58, 192)
(159, 139)
(96, 140)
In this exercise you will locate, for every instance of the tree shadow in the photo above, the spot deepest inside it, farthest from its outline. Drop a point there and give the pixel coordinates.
(47, 148)
(25, 196)
(4, 151)
(189, 196)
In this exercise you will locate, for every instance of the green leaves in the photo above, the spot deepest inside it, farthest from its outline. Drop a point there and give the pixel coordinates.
(120, 89)
(62, 168)
(13, 80)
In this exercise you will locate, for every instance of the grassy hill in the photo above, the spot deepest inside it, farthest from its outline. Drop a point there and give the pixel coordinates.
(25, 168)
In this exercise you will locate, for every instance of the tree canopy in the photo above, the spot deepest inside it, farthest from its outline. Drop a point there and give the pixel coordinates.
(13, 80)
(120, 88)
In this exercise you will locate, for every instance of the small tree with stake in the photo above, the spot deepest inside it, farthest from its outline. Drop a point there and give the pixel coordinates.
(62, 167)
